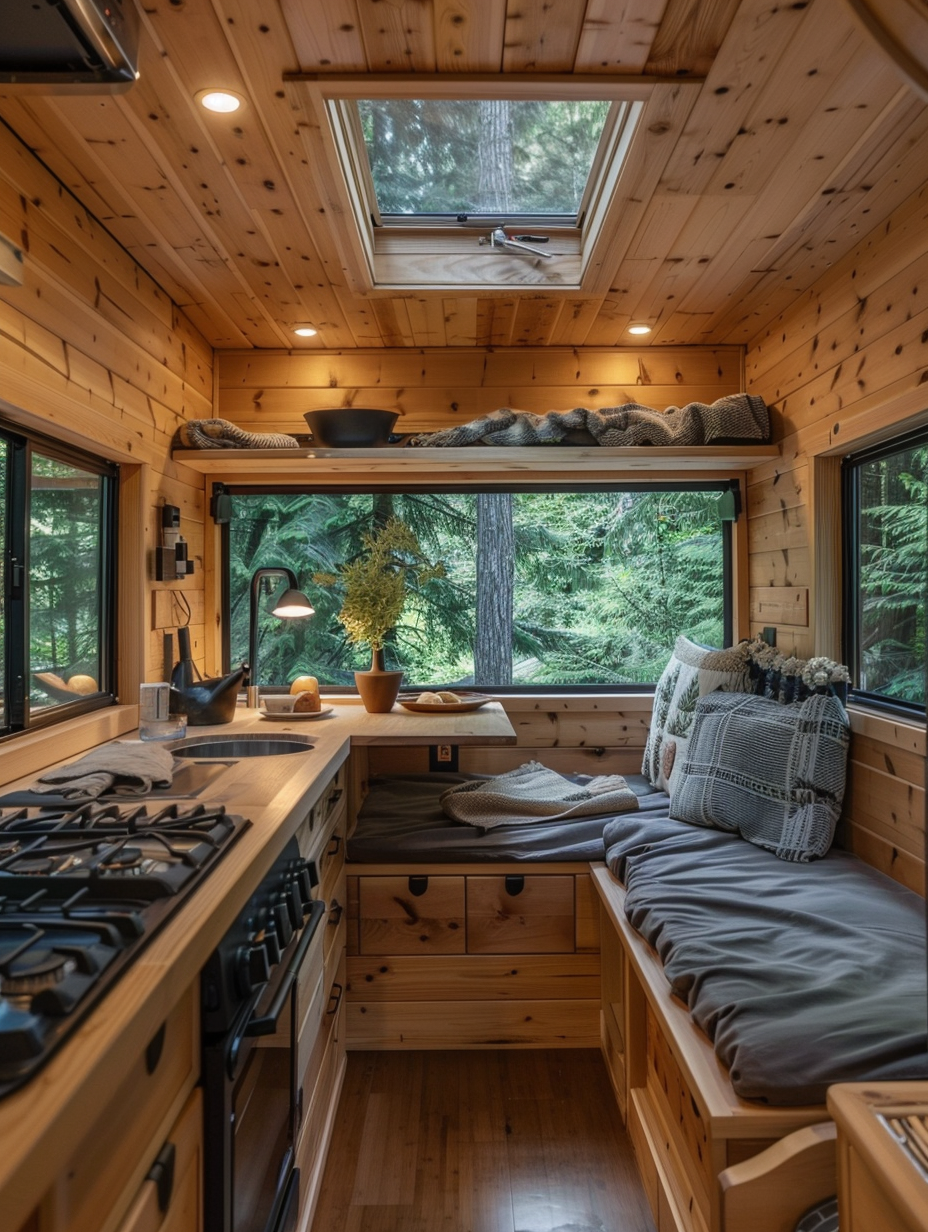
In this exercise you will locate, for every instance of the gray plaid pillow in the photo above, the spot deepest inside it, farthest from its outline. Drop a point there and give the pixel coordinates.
(772, 773)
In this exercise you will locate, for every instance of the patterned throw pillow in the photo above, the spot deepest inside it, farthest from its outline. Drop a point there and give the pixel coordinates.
(693, 671)
(772, 773)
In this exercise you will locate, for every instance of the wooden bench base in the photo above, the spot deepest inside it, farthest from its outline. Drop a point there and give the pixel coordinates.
(685, 1121)
(472, 956)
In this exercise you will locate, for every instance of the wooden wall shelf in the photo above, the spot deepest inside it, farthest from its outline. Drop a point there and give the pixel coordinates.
(484, 463)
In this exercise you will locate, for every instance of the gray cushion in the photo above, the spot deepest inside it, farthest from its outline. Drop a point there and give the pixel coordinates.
(773, 773)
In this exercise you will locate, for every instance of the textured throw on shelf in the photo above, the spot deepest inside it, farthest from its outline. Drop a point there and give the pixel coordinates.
(736, 419)
(221, 434)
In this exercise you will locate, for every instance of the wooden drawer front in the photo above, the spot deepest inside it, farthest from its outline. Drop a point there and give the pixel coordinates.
(336, 927)
(394, 919)
(183, 1213)
(332, 856)
(668, 1087)
(319, 1105)
(523, 915)
(311, 1000)
(332, 798)
(105, 1175)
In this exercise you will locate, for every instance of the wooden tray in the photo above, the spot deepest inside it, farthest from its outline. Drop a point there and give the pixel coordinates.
(469, 701)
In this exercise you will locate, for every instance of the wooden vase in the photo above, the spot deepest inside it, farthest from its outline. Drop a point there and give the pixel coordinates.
(378, 688)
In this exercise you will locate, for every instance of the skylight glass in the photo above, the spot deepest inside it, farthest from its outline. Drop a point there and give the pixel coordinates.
(481, 157)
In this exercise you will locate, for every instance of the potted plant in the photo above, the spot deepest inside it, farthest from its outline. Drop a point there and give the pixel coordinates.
(376, 585)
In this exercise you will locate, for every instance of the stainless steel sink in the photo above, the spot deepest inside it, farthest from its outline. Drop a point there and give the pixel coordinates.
(246, 744)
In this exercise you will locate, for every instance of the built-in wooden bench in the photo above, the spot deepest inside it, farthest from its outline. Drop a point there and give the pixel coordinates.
(685, 1121)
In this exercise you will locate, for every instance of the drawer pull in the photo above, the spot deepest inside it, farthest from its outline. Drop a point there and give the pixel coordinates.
(155, 1048)
(336, 911)
(334, 797)
(336, 996)
(334, 843)
(418, 886)
(161, 1174)
(515, 884)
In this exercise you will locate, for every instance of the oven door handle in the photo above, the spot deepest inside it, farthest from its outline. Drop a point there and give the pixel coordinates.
(266, 1024)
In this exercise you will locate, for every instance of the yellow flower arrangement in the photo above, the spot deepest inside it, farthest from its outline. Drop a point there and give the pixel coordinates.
(378, 582)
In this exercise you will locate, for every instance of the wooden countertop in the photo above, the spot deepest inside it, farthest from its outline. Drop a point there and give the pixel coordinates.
(42, 1124)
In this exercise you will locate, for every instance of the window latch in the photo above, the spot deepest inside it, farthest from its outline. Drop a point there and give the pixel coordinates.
(16, 578)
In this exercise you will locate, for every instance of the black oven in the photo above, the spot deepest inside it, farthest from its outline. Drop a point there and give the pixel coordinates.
(250, 990)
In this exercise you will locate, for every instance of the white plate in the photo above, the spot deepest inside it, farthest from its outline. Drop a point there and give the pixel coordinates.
(290, 716)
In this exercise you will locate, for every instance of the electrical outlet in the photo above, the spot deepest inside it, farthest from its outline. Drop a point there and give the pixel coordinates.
(443, 757)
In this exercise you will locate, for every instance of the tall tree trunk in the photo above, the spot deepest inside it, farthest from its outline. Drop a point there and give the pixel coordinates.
(495, 584)
(494, 188)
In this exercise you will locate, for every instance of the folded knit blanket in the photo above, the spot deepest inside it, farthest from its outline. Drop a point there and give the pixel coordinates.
(127, 768)
(734, 419)
(221, 434)
(533, 794)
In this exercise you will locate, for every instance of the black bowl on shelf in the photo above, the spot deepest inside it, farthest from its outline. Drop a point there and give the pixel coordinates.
(351, 427)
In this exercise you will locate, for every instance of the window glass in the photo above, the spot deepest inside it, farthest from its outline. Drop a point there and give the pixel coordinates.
(540, 589)
(65, 562)
(887, 574)
(57, 524)
(481, 156)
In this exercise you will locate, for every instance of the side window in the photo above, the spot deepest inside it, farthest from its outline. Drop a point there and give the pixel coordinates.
(58, 527)
(886, 571)
(555, 589)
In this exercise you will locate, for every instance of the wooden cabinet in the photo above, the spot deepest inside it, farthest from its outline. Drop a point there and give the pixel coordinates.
(320, 1039)
(171, 1196)
(882, 1180)
(103, 1187)
(464, 957)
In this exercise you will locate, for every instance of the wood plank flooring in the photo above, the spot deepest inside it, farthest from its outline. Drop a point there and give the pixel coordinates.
(495, 1141)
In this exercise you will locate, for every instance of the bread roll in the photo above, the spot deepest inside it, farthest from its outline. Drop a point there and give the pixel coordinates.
(446, 696)
(307, 700)
(432, 698)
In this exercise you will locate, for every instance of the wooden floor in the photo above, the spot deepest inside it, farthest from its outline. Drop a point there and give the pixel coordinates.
(518, 1141)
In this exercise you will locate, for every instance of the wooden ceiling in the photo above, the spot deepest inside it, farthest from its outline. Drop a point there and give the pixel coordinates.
(800, 137)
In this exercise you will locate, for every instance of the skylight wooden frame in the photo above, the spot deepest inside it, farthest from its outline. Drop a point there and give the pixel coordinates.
(384, 260)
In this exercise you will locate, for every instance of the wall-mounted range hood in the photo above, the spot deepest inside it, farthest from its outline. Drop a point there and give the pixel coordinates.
(68, 46)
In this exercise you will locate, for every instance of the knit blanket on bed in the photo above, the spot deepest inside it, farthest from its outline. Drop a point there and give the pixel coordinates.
(221, 434)
(533, 794)
(736, 419)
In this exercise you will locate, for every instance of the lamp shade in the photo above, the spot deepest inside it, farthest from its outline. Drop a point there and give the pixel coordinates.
(293, 603)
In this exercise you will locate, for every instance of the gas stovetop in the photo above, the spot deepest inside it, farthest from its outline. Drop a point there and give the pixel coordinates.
(82, 890)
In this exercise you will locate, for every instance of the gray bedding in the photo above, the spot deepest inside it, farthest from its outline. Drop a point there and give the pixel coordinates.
(401, 822)
(802, 975)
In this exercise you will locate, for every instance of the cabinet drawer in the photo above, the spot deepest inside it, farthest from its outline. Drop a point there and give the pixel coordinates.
(332, 856)
(336, 927)
(520, 915)
(411, 915)
(182, 1211)
(105, 1175)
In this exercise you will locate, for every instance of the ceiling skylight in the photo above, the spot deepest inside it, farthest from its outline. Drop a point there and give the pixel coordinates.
(467, 159)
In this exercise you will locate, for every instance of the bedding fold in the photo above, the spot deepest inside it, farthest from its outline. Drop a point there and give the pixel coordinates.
(531, 794)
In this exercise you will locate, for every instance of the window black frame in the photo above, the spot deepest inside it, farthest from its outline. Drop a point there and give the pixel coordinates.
(717, 485)
(851, 465)
(21, 444)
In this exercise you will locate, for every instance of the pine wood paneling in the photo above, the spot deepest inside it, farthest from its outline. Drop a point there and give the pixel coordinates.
(94, 353)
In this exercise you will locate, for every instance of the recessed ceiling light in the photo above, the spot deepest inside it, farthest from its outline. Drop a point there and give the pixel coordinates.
(639, 327)
(219, 100)
(306, 331)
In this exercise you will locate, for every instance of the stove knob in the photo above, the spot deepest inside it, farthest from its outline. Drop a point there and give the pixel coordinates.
(306, 883)
(252, 968)
(281, 914)
(295, 904)
(272, 946)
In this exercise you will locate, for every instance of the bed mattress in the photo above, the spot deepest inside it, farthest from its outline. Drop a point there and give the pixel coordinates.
(802, 975)
(401, 821)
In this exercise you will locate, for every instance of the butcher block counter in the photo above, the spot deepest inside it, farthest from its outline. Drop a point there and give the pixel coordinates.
(43, 1124)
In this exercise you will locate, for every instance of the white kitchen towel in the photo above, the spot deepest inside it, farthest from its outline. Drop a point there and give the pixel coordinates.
(125, 767)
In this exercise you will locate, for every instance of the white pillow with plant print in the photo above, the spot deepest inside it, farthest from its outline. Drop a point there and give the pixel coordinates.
(693, 671)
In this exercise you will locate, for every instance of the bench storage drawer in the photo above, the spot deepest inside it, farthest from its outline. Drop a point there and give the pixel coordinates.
(411, 915)
(516, 914)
